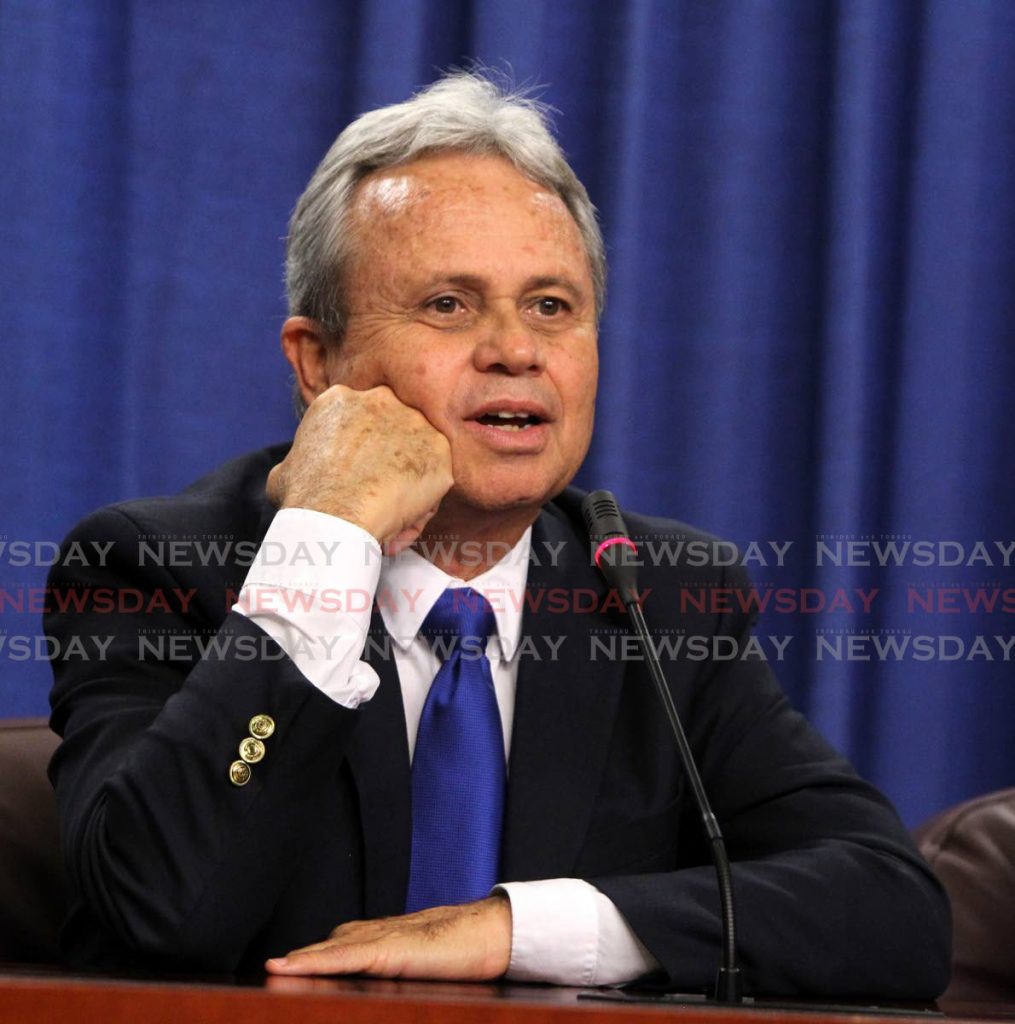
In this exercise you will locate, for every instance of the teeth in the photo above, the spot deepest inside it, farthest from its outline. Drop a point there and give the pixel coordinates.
(504, 420)
(509, 420)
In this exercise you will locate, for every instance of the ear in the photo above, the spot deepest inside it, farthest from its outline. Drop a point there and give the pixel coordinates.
(304, 345)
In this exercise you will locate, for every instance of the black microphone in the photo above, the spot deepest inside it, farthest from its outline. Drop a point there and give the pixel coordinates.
(616, 557)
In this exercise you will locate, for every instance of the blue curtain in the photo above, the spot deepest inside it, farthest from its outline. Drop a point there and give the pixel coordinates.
(810, 213)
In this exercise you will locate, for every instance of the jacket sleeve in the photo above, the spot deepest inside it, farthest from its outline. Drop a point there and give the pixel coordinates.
(832, 897)
(171, 856)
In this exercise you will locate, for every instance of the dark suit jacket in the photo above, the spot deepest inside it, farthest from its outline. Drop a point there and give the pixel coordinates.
(172, 865)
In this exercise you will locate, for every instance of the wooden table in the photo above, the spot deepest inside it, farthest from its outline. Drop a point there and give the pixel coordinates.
(29, 996)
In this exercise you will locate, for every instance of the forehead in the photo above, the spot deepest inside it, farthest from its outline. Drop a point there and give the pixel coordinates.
(462, 202)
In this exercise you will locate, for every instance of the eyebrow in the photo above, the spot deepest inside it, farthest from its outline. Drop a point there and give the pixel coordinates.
(475, 283)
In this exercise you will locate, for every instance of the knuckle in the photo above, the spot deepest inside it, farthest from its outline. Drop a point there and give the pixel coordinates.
(319, 402)
(381, 395)
(276, 481)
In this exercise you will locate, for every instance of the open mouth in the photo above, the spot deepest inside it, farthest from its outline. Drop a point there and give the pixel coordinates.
(509, 420)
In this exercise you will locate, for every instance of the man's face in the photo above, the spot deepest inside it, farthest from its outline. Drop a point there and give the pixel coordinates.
(470, 297)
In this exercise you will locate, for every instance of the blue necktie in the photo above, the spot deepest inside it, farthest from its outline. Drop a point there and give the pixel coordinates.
(458, 771)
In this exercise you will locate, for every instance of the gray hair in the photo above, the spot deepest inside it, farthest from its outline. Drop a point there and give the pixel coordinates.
(463, 111)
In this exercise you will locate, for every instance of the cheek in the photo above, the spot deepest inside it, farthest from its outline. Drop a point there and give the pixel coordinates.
(416, 383)
(424, 386)
(580, 399)
(578, 383)
(381, 361)
(347, 366)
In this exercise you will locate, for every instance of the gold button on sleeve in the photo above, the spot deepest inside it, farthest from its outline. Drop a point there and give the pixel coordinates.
(251, 750)
(262, 726)
(239, 773)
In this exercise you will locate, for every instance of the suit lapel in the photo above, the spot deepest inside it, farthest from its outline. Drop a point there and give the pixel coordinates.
(564, 709)
(379, 760)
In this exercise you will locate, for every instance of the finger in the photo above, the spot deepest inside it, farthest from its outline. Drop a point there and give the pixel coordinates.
(325, 958)
(273, 487)
(360, 931)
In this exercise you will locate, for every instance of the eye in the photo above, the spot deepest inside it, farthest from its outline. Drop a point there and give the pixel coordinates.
(550, 306)
(445, 304)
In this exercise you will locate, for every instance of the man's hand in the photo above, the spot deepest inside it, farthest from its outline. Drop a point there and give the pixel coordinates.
(369, 459)
(467, 943)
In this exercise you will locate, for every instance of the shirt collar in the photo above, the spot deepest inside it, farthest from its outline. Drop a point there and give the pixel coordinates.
(410, 585)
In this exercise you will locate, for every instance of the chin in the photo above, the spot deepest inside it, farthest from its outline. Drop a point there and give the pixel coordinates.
(512, 495)
(487, 500)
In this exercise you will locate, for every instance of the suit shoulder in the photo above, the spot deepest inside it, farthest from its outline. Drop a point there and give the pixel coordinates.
(230, 500)
(246, 474)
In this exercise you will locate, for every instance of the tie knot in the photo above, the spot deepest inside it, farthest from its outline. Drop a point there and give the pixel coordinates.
(460, 612)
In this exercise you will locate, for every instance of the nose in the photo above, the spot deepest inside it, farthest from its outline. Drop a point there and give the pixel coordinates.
(508, 345)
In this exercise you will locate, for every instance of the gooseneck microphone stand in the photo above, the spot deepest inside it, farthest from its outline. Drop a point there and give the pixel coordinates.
(613, 557)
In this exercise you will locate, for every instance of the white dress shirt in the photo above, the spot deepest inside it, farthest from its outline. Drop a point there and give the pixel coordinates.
(311, 588)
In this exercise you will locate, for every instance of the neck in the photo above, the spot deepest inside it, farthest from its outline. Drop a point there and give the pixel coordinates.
(465, 546)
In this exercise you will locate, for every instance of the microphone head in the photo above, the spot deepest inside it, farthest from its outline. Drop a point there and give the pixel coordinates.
(602, 516)
(614, 548)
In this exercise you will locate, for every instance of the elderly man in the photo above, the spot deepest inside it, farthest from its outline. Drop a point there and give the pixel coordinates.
(303, 781)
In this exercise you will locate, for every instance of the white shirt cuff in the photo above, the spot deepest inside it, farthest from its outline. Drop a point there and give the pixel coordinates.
(311, 588)
(566, 932)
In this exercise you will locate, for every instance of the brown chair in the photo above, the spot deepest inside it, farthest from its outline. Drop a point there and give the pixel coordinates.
(32, 890)
(971, 848)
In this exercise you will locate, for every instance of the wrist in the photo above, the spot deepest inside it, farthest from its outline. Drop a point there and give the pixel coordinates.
(352, 514)
(497, 907)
